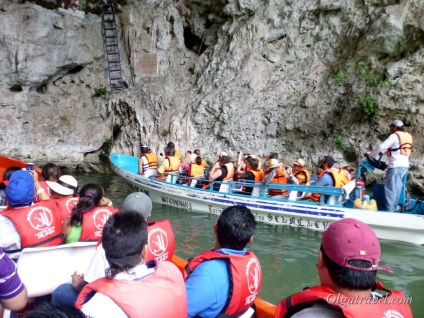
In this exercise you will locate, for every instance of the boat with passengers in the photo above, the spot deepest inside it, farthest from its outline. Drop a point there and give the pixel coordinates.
(336, 203)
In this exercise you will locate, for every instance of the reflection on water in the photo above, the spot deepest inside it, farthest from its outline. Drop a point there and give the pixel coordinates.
(288, 255)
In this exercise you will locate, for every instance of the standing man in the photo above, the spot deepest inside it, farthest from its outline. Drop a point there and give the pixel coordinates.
(227, 279)
(347, 269)
(398, 147)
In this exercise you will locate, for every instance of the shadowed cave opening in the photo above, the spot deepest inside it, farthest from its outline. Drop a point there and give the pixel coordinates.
(193, 42)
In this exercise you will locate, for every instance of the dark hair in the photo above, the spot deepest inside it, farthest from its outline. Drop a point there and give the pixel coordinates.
(350, 278)
(273, 155)
(235, 227)
(253, 162)
(169, 151)
(6, 176)
(144, 149)
(198, 160)
(328, 160)
(197, 152)
(50, 172)
(124, 236)
(47, 310)
(225, 159)
(401, 128)
(170, 145)
(90, 196)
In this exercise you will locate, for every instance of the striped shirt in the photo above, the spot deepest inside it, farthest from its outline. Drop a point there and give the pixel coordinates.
(10, 283)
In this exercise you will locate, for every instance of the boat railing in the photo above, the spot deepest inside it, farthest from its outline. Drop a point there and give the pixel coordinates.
(329, 195)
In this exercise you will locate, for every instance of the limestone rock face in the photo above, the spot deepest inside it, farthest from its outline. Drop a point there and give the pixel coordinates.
(302, 78)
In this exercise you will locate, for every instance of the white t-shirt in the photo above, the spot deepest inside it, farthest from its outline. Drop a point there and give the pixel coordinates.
(396, 159)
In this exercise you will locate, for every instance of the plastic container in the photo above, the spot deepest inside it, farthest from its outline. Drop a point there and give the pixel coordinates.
(365, 204)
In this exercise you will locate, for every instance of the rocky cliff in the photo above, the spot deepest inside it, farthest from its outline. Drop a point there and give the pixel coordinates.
(303, 78)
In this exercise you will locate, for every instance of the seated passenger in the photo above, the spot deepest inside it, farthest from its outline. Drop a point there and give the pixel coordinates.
(194, 168)
(222, 170)
(197, 152)
(148, 162)
(5, 180)
(171, 145)
(88, 216)
(300, 172)
(132, 287)
(170, 164)
(253, 172)
(275, 173)
(49, 172)
(161, 246)
(227, 279)
(24, 223)
(65, 193)
(347, 269)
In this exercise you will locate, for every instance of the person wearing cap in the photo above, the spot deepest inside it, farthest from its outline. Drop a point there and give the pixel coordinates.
(25, 223)
(300, 172)
(276, 172)
(161, 231)
(148, 162)
(347, 266)
(65, 193)
(398, 148)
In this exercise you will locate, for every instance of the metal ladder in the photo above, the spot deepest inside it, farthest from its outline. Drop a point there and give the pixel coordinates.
(111, 46)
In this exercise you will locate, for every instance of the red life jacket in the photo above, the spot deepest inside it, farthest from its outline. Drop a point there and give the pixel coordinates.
(161, 294)
(38, 225)
(161, 241)
(245, 278)
(46, 188)
(279, 177)
(351, 306)
(93, 222)
(405, 142)
(65, 206)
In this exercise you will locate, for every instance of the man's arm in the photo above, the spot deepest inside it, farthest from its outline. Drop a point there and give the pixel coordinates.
(388, 143)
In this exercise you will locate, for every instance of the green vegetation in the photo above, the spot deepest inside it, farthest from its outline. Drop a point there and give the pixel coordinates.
(100, 91)
(165, 133)
(340, 78)
(339, 142)
(106, 149)
(369, 105)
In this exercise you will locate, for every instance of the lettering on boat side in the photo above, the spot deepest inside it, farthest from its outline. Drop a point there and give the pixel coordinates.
(259, 217)
(295, 222)
(177, 203)
(145, 191)
(214, 210)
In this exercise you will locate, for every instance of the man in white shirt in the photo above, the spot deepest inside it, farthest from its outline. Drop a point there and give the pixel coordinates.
(398, 147)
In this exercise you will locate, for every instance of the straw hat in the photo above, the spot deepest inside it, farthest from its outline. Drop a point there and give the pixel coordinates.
(66, 185)
(272, 163)
(299, 162)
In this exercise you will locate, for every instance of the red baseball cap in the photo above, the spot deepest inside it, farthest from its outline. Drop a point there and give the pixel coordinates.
(350, 239)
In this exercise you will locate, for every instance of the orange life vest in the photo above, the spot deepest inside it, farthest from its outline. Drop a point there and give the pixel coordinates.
(196, 170)
(230, 171)
(93, 222)
(302, 175)
(315, 196)
(279, 177)
(38, 224)
(161, 294)
(352, 307)
(174, 164)
(65, 206)
(245, 278)
(405, 142)
(203, 163)
(161, 241)
(259, 176)
(152, 161)
(178, 155)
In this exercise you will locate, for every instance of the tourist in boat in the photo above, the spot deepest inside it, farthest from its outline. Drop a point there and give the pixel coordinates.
(88, 216)
(171, 164)
(5, 180)
(300, 172)
(47, 310)
(13, 294)
(177, 154)
(148, 162)
(271, 155)
(194, 167)
(132, 287)
(252, 173)
(221, 171)
(65, 193)
(347, 269)
(25, 223)
(213, 289)
(398, 147)
(49, 172)
(276, 172)
(161, 243)
(197, 152)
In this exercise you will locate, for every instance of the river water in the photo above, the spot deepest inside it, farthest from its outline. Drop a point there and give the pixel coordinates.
(287, 255)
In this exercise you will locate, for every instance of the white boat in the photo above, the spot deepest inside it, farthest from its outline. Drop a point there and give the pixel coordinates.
(404, 227)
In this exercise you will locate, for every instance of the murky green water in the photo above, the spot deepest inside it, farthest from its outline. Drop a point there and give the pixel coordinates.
(288, 255)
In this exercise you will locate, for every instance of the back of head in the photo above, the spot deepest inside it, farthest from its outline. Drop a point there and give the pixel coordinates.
(170, 145)
(225, 159)
(329, 160)
(169, 151)
(197, 152)
(20, 189)
(124, 237)
(138, 202)
(253, 162)
(144, 149)
(8, 172)
(47, 310)
(90, 196)
(235, 227)
(198, 160)
(272, 155)
(351, 253)
(50, 172)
